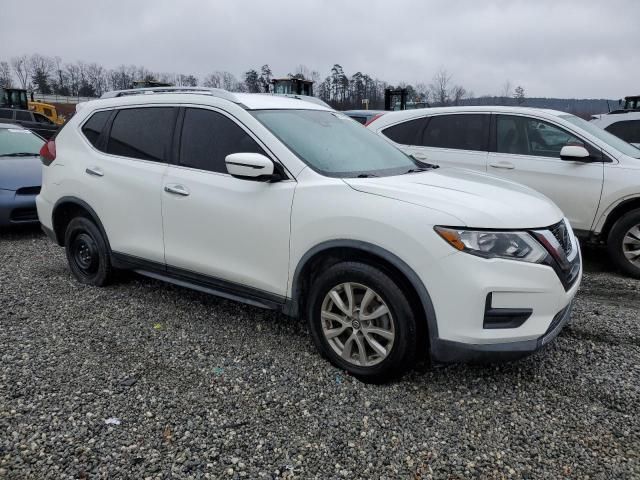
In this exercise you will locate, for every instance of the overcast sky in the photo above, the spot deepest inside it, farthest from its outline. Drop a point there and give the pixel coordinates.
(555, 48)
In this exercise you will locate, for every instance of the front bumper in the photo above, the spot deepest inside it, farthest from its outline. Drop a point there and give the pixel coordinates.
(17, 209)
(445, 351)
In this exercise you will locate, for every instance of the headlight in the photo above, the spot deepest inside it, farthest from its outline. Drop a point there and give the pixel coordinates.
(512, 245)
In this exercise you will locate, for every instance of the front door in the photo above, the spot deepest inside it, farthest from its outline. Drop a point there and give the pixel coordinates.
(218, 226)
(527, 151)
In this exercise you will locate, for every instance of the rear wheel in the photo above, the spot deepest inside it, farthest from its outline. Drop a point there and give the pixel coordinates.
(624, 243)
(87, 252)
(362, 322)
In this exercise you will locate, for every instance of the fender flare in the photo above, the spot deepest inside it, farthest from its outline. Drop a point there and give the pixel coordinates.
(398, 263)
(85, 206)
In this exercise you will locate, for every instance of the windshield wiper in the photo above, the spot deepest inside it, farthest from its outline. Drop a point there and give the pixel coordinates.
(19, 154)
(427, 166)
(366, 175)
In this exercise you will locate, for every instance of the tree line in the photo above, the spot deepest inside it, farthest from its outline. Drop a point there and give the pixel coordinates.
(51, 75)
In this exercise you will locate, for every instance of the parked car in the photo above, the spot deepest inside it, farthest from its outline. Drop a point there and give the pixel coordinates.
(292, 206)
(624, 124)
(592, 175)
(364, 116)
(20, 175)
(33, 121)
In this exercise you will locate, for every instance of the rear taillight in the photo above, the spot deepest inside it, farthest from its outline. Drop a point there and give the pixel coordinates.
(48, 153)
(373, 119)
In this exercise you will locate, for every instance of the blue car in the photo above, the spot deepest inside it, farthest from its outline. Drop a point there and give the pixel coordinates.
(20, 175)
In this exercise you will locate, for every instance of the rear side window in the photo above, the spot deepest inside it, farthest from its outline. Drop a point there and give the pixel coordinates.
(361, 120)
(208, 137)
(23, 116)
(42, 119)
(406, 133)
(6, 113)
(93, 127)
(629, 130)
(143, 133)
(461, 132)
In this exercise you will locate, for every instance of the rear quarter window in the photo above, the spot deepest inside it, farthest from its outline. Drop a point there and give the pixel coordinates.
(93, 127)
(406, 133)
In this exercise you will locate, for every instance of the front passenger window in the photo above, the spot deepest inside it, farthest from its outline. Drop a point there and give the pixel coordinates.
(208, 137)
(529, 136)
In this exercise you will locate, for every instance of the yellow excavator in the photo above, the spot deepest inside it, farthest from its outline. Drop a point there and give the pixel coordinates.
(17, 98)
(48, 111)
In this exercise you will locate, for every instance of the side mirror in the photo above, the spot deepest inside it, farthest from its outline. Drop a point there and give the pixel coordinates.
(251, 166)
(575, 153)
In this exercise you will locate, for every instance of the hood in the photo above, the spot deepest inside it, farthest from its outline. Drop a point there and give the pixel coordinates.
(478, 200)
(18, 172)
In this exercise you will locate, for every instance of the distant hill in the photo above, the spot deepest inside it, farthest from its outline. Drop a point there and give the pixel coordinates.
(582, 107)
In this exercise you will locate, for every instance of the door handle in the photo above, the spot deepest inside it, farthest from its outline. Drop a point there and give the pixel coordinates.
(95, 171)
(503, 165)
(176, 189)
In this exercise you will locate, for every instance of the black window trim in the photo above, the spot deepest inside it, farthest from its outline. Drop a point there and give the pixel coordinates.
(604, 156)
(174, 159)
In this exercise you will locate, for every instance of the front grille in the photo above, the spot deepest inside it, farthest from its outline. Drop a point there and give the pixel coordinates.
(24, 215)
(28, 191)
(561, 232)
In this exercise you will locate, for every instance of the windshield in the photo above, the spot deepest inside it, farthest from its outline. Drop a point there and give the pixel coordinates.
(333, 144)
(17, 141)
(603, 135)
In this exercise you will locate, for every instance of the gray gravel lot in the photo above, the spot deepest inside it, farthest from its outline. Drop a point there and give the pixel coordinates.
(207, 388)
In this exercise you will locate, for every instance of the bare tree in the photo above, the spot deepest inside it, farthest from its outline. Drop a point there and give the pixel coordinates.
(506, 89)
(440, 87)
(5, 75)
(458, 92)
(212, 80)
(422, 92)
(20, 67)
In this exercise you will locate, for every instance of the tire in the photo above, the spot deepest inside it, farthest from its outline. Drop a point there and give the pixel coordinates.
(87, 253)
(332, 328)
(621, 243)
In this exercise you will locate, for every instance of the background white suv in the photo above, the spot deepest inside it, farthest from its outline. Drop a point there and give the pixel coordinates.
(289, 205)
(592, 175)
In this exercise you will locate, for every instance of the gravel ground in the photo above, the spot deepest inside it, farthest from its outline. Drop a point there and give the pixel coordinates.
(198, 387)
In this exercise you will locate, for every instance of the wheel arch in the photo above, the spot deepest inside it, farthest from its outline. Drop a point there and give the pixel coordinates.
(617, 213)
(67, 208)
(331, 252)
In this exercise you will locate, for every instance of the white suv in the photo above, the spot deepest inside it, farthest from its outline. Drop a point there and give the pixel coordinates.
(289, 205)
(592, 175)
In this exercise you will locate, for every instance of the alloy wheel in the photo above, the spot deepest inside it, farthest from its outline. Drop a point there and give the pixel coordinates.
(631, 245)
(357, 324)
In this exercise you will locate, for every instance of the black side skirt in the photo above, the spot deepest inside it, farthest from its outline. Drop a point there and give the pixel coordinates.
(197, 281)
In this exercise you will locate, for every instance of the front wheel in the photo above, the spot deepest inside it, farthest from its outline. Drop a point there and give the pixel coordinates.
(624, 243)
(362, 322)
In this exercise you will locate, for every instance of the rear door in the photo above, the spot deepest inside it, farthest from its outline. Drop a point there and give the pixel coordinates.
(122, 178)
(453, 140)
(527, 150)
